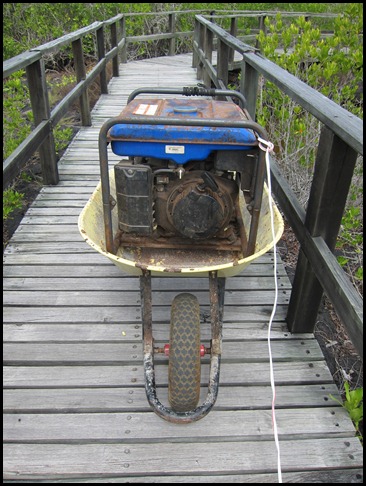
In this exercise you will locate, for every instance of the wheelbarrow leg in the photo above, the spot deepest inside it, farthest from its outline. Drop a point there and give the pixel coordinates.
(216, 306)
(217, 293)
(146, 312)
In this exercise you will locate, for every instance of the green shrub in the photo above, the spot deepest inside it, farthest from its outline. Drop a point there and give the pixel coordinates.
(353, 403)
(17, 114)
(333, 66)
(11, 200)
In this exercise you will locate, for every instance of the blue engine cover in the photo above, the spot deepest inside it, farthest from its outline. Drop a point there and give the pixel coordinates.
(180, 143)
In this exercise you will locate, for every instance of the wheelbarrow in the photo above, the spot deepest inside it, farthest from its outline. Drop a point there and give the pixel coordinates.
(188, 199)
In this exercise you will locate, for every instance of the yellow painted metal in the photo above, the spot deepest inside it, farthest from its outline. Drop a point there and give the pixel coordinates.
(175, 262)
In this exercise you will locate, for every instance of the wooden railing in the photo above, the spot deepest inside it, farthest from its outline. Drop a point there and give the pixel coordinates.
(340, 142)
(33, 61)
(41, 136)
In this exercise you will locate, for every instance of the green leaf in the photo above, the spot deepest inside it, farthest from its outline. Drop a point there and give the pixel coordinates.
(356, 415)
(346, 389)
(342, 260)
(335, 399)
(356, 396)
(359, 273)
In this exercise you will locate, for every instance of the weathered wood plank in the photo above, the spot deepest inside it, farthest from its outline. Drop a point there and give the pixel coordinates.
(63, 198)
(39, 211)
(47, 246)
(57, 203)
(21, 331)
(44, 247)
(320, 476)
(128, 399)
(71, 186)
(88, 257)
(258, 314)
(121, 352)
(39, 237)
(45, 220)
(125, 283)
(110, 271)
(70, 460)
(106, 298)
(101, 376)
(132, 427)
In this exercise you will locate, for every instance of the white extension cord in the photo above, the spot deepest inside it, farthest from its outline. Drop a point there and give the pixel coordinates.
(267, 147)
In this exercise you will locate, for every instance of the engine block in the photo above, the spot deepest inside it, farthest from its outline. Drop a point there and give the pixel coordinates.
(197, 206)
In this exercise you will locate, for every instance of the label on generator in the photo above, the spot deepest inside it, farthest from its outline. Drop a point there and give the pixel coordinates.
(146, 109)
(174, 149)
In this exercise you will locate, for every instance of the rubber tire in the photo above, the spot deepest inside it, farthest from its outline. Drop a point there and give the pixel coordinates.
(184, 354)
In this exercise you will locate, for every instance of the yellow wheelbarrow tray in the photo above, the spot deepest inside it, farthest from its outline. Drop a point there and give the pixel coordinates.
(135, 260)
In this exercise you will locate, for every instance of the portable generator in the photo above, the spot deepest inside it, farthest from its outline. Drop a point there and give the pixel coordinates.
(180, 186)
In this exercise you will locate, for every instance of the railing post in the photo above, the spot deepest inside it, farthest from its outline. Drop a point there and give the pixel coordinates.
(195, 40)
(332, 178)
(201, 45)
(41, 111)
(101, 55)
(123, 36)
(80, 71)
(233, 32)
(249, 86)
(114, 43)
(208, 47)
(172, 31)
(222, 65)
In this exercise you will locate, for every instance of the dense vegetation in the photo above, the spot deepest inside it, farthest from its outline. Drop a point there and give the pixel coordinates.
(27, 25)
(332, 65)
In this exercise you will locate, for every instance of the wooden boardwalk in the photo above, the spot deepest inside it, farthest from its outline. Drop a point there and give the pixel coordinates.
(75, 408)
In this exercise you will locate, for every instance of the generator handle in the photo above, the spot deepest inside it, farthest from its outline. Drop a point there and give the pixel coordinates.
(190, 91)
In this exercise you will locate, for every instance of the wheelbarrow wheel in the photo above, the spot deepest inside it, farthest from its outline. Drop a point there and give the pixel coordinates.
(184, 353)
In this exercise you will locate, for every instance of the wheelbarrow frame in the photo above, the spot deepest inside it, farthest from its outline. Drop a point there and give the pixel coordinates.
(216, 284)
(217, 293)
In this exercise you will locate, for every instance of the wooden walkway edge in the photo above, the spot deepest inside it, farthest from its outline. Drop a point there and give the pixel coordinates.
(75, 408)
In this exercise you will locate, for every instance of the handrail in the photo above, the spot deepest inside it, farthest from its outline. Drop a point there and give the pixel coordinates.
(316, 229)
(346, 125)
(273, 13)
(19, 62)
(41, 136)
(33, 62)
